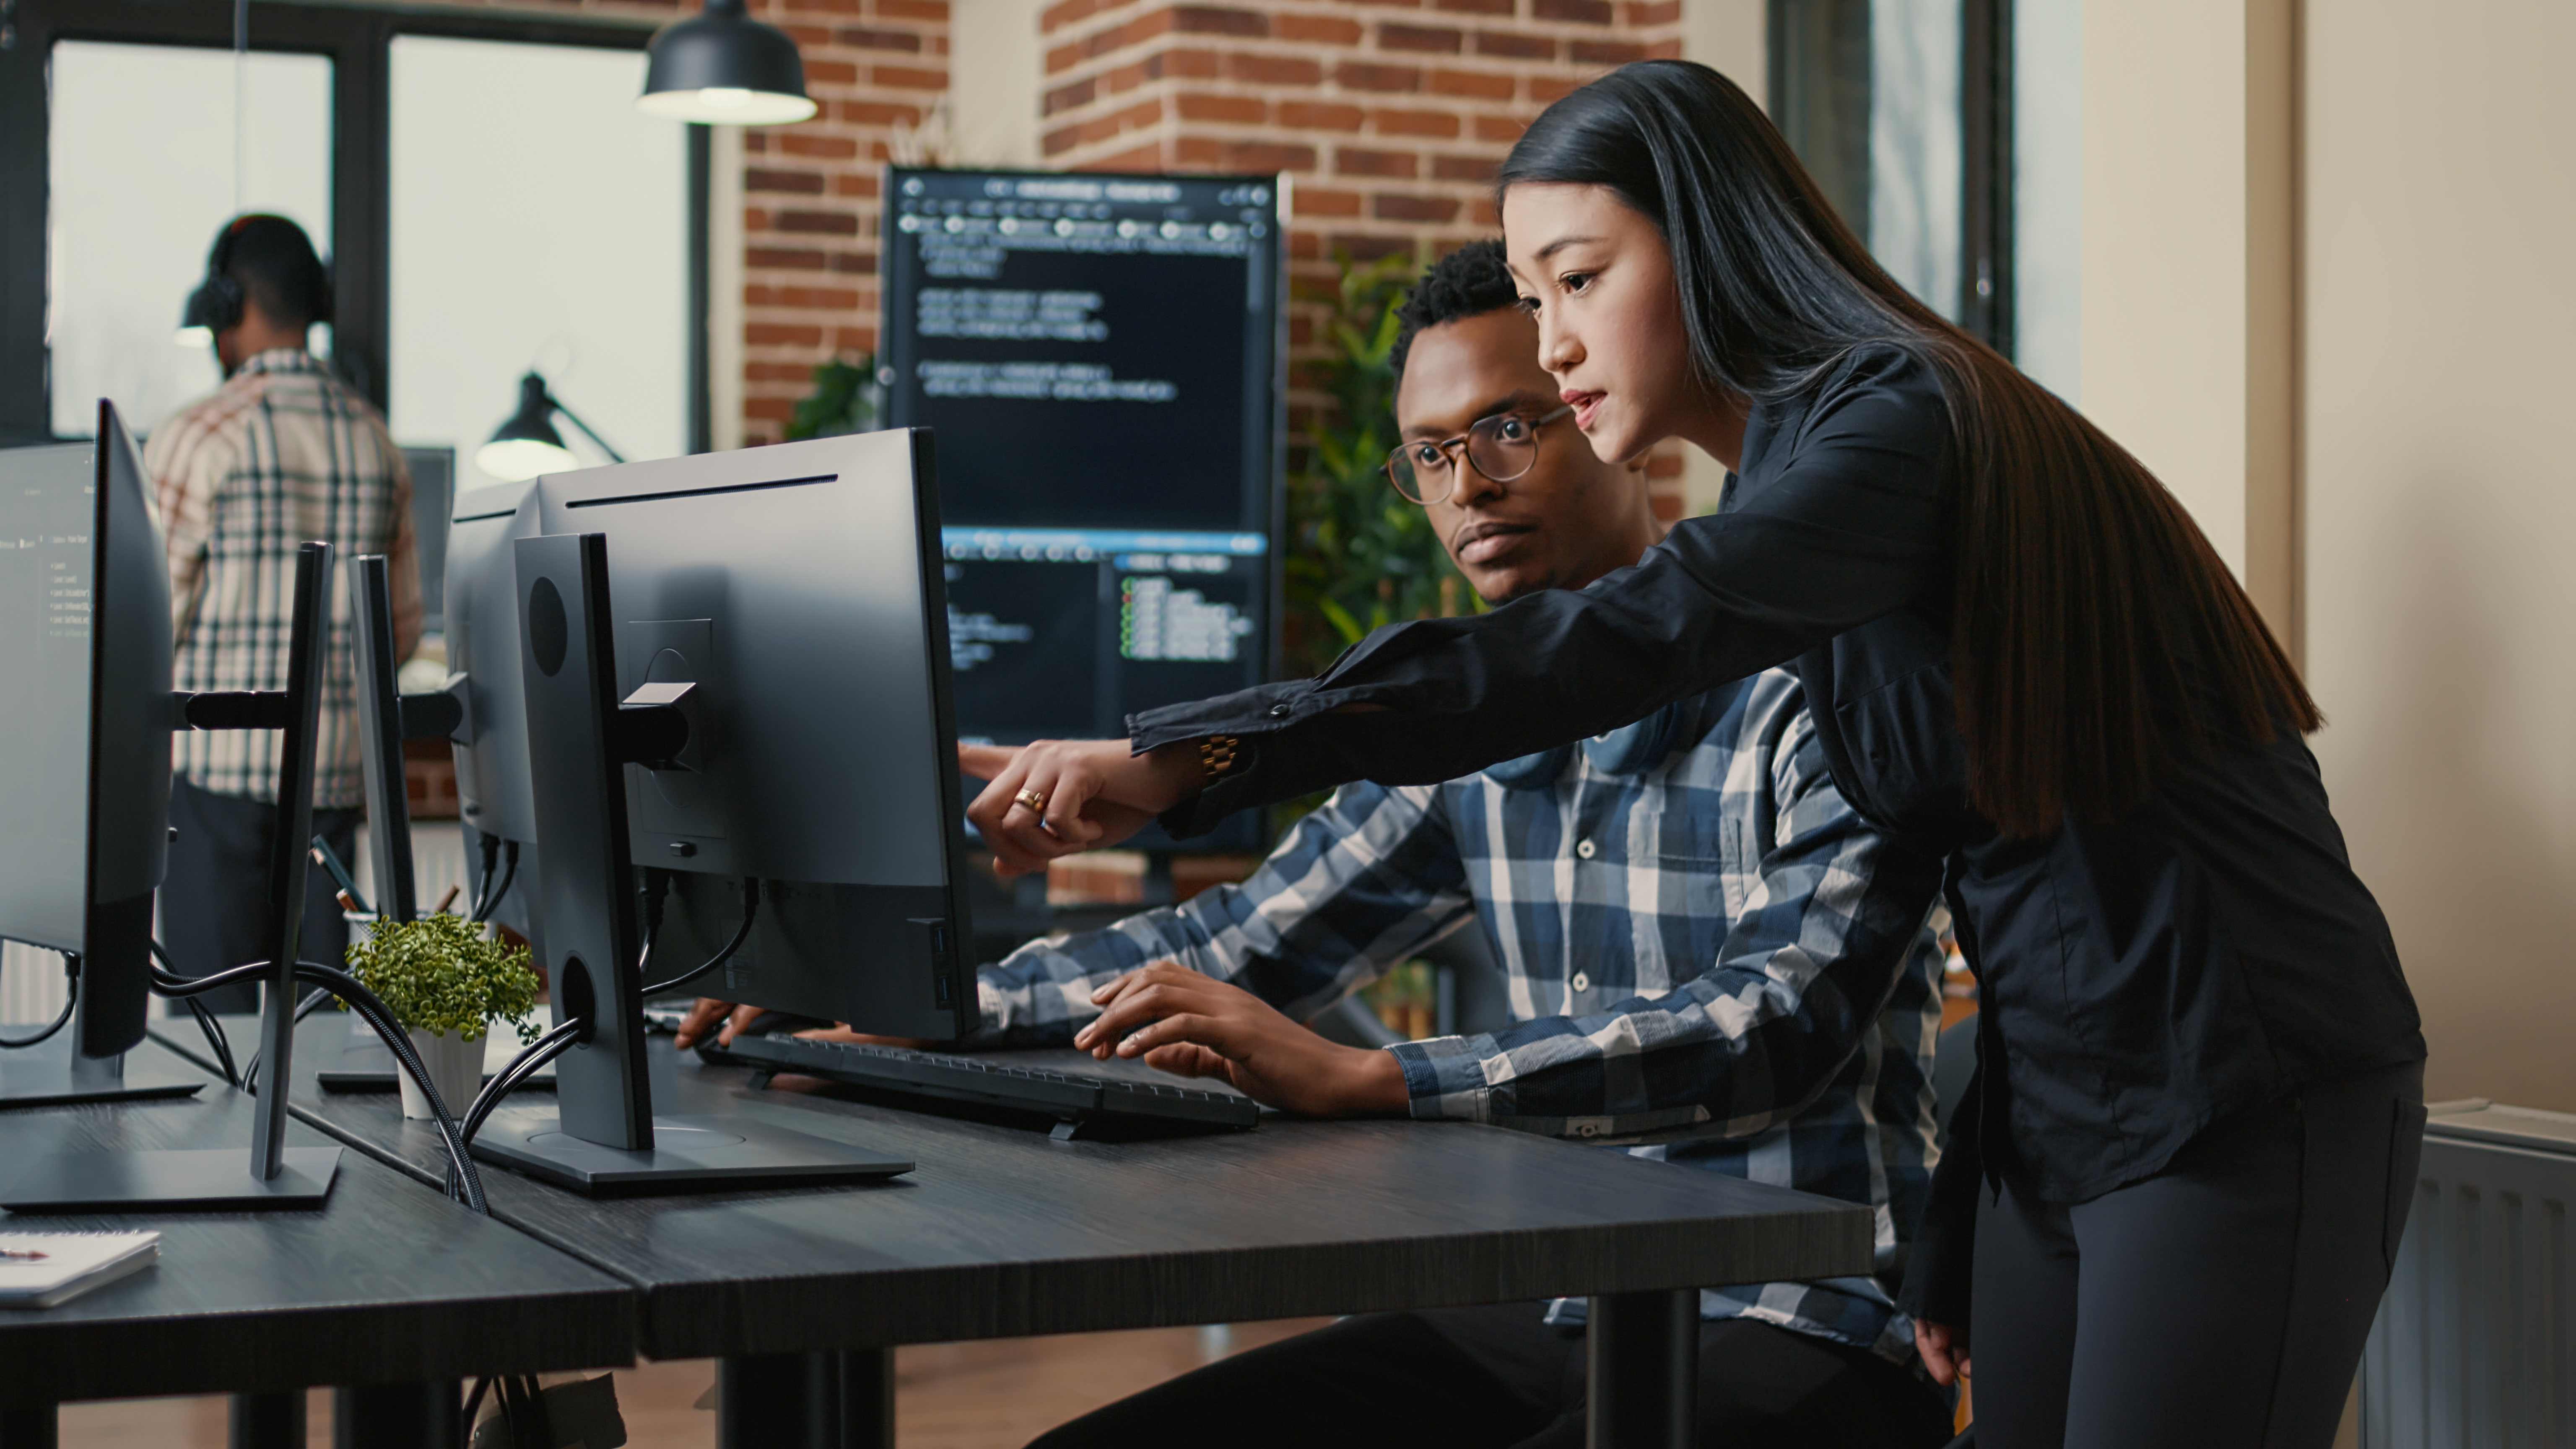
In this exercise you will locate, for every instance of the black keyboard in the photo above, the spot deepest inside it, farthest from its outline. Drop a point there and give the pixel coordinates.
(1078, 1101)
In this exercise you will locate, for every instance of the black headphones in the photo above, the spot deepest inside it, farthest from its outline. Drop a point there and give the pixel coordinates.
(216, 305)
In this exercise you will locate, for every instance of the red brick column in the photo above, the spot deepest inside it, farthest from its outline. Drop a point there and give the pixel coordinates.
(1388, 117)
(810, 202)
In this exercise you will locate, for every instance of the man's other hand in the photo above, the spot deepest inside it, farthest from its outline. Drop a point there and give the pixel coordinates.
(1944, 1350)
(723, 1018)
(1195, 1026)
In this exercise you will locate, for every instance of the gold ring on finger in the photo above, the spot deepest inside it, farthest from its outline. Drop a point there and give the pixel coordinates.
(1032, 799)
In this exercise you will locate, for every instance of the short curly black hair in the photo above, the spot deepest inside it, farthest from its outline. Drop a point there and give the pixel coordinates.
(1468, 282)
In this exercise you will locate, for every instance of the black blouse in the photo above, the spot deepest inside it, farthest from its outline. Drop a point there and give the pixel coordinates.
(2210, 951)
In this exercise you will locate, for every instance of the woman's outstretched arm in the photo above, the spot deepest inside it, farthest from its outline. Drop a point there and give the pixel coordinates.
(1851, 524)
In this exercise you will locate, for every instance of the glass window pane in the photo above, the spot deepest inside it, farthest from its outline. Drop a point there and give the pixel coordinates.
(538, 219)
(1916, 141)
(144, 167)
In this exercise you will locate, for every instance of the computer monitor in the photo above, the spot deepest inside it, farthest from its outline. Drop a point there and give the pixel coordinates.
(1100, 356)
(433, 495)
(786, 604)
(84, 773)
(85, 789)
(494, 796)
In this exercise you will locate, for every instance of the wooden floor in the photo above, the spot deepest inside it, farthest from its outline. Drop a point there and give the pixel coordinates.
(994, 1395)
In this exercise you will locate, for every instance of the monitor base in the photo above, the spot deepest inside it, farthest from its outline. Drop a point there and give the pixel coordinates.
(42, 1076)
(203, 1177)
(689, 1154)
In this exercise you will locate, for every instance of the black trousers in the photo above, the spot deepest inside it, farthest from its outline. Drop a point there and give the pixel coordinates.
(1487, 1378)
(214, 901)
(2221, 1304)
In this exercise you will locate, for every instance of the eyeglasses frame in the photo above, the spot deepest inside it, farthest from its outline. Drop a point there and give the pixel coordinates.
(1456, 448)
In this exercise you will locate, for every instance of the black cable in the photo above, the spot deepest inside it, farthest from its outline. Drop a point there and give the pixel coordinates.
(463, 1182)
(250, 1070)
(750, 913)
(366, 1003)
(526, 1064)
(71, 969)
(506, 1392)
(509, 877)
(491, 845)
(216, 1040)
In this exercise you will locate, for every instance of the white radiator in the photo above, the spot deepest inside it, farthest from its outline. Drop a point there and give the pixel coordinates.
(31, 984)
(31, 981)
(2475, 1347)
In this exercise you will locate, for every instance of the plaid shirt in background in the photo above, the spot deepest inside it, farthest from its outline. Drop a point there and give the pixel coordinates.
(281, 454)
(1714, 953)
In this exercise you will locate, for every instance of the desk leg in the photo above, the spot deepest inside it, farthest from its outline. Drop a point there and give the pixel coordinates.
(34, 1428)
(867, 1399)
(806, 1401)
(268, 1421)
(1643, 1353)
(428, 1415)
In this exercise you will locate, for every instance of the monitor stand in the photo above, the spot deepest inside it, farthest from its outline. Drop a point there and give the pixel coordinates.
(604, 1137)
(270, 1174)
(213, 1177)
(53, 1073)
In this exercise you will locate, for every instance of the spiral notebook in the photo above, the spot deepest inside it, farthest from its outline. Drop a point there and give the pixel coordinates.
(39, 1270)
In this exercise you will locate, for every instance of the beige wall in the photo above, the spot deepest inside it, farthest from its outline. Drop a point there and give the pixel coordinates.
(2164, 247)
(2441, 507)
(1726, 36)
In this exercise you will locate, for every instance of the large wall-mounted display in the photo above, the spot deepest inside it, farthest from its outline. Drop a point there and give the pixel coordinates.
(1098, 357)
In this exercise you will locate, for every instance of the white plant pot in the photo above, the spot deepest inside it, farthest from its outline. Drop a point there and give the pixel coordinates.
(454, 1063)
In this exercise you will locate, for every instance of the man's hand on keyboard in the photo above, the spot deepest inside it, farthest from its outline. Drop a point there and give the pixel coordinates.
(1196, 1026)
(723, 1018)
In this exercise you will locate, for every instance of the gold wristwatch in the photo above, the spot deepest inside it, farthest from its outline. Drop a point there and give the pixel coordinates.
(1216, 755)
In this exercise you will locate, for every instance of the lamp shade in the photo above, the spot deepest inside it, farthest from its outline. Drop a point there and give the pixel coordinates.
(527, 444)
(723, 68)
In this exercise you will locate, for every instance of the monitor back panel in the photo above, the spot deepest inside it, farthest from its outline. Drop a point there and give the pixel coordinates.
(786, 584)
(482, 605)
(46, 567)
(796, 588)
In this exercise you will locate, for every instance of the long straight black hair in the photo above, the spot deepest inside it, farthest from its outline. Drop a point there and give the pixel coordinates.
(2096, 637)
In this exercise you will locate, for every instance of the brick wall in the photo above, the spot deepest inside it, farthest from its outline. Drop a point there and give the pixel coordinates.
(1388, 115)
(810, 190)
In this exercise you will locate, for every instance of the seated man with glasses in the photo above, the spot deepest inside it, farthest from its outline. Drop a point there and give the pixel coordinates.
(1711, 959)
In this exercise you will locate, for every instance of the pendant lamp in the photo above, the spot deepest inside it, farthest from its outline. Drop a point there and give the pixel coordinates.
(724, 68)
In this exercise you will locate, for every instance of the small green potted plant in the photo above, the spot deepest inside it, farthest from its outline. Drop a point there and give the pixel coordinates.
(447, 981)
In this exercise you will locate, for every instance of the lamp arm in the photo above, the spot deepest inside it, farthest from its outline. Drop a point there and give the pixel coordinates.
(573, 418)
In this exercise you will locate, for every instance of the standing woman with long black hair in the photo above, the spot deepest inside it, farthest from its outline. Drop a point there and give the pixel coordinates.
(2189, 1156)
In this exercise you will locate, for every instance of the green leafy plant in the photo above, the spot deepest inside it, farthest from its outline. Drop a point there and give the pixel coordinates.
(846, 399)
(1358, 555)
(441, 974)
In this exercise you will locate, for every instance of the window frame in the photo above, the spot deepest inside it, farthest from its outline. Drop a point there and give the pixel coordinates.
(1810, 50)
(358, 40)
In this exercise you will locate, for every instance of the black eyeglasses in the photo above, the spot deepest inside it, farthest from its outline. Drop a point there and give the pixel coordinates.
(1502, 448)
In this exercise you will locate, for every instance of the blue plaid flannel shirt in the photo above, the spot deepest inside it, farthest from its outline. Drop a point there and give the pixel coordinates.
(1711, 961)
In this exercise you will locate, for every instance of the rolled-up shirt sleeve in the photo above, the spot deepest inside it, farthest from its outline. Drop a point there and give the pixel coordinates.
(1359, 885)
(1835, 917)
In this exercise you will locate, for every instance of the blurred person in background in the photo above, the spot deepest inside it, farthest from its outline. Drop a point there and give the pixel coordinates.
(282, 453)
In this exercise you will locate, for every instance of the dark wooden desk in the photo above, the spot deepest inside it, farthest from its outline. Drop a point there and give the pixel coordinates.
(1002, 1232)
(386, 1281)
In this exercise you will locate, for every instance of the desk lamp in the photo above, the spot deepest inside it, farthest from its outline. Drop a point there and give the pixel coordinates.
(528, 444)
